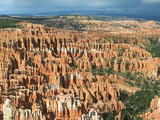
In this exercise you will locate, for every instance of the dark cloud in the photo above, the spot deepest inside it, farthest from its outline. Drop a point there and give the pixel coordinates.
(40, 6)
(77, 3)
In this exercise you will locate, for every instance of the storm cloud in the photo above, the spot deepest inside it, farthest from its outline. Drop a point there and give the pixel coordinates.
(40, 6)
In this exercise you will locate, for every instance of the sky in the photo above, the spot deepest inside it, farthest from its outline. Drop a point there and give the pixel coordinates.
(41, 6)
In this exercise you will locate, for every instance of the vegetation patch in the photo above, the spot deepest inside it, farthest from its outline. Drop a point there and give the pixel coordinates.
(139, 102)
(8, 23)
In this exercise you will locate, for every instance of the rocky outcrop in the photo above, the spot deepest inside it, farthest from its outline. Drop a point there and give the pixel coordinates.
(9, 111)
(48, 73)
(154, 111)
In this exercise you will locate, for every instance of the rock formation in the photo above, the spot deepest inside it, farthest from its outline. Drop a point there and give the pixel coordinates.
(9, 111)
(51, 73)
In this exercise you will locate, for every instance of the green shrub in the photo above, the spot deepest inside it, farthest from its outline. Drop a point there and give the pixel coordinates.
(7, 23)
(73, 65)
(139, 102)
(121, 52)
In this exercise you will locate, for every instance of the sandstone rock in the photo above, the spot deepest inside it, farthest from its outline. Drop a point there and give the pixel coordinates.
(9, 111)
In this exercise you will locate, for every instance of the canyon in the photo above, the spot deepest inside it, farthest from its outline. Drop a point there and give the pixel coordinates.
(51, 73)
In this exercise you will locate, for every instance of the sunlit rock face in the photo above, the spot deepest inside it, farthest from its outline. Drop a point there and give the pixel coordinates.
(9, 111)
(153, 111)
(51, 73)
